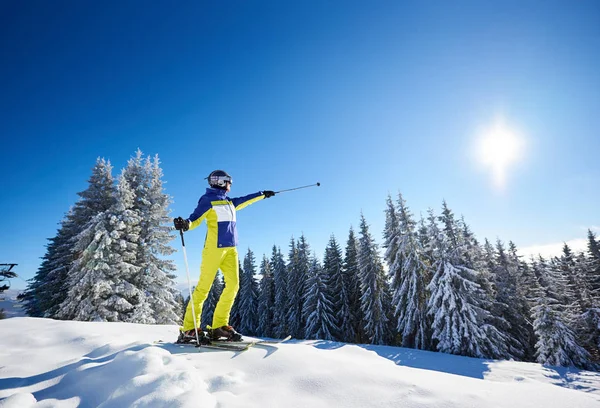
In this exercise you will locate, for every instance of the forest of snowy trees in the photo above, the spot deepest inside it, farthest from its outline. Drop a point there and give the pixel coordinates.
(431, 285)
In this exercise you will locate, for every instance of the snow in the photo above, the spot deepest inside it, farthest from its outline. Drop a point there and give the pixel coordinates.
(49, 363)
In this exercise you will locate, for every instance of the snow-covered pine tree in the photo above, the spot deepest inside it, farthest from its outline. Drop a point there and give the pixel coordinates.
(459, 320)
(48, 289)
(100, 280)
(294, 294)
(375, 300)
(526, 289)
(235, 316)
(208, 308)
(247, 298)
(584, 316)
(318, 306)
(353, 331)
(339, 289)
(37, 299)
(516, 312)
(155, 235)
(407, 270)
(498, 343)
(266, 299)
(593, 268)
(557, 344)
(298, 266)
(280, 329)
(155, 277)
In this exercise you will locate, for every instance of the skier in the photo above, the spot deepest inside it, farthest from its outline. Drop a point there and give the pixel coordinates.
(219, 252)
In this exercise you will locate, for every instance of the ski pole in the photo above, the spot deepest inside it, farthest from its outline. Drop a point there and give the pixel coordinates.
(297, 188)
(187, 271)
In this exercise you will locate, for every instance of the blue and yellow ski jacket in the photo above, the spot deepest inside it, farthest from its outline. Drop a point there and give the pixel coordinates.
(219, 212)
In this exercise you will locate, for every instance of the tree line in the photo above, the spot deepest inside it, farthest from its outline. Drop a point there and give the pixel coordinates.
(431, 285)
(442, 291)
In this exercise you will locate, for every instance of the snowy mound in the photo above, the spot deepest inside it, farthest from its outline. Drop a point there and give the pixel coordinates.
(46, 363)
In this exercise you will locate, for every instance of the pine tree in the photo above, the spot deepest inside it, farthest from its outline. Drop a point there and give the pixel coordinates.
(526, 287)
(100, 280)
(48, 289)
(407, 269)
(37, 298)
(293, 293)
(375, 298)
(339, 290)
(280, 329)
(318, 306)
(593, 275)
(155, 278)
(459, 320)
(159, 274)
(235, 316)
(266, 299)
(298, 266)
(557, 344)
(516, 311)
(247, 300)
(353, 329)
(208, 308)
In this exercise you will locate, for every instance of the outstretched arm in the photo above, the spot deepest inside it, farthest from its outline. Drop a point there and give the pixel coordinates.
(242, 202)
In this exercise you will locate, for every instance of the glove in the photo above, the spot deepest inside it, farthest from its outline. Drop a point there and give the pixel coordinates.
(181, 224)
(268, 193)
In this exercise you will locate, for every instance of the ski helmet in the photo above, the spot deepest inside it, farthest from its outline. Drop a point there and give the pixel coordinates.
(219, 179)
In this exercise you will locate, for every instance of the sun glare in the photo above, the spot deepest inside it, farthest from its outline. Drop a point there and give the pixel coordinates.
(499, 147)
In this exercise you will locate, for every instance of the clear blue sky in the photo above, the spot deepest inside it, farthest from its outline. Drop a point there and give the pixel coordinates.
(368, 98)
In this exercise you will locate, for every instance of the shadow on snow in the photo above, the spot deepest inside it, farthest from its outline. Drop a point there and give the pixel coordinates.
(567, 377)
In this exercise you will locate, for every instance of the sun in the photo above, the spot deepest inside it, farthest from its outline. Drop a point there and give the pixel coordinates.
(498, 149)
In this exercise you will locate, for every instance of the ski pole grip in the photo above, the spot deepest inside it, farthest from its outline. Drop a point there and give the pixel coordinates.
(182, 240)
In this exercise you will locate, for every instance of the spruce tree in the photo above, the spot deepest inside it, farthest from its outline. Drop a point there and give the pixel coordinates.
(508, 293)
(101, 280)
(318, 306)
(266, 299)
(49, 287)
(38, 298)
(526, 287)
(297, 271)
(375, 300)
(247, 300)
(155, 278)
(459, 320)
(280, 328)
(593, 270)
(208, 308)
(353, 329)
(293, 292)
(407, 269)
(339, 290)
(235, 316)
(159, 274)
(557, 344)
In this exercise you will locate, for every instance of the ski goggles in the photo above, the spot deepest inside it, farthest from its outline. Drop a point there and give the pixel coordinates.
(221, 180)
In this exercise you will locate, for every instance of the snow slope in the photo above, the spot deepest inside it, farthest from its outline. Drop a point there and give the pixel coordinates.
(47, 363)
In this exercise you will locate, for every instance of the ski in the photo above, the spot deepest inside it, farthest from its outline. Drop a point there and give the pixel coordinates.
(250, 343)
(231, 345)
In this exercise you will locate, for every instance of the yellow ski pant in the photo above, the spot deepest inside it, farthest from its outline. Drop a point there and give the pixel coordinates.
(213, 259)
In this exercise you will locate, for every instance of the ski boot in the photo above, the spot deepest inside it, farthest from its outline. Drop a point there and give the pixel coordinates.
(224, 333)
(190, 337)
